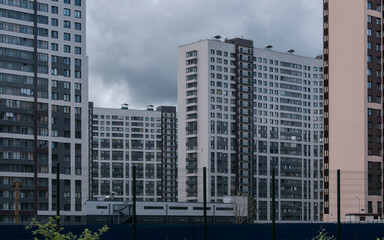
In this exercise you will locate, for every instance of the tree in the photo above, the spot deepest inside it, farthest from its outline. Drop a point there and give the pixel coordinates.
(51, 231)
(252, 209)
(323, 235)
(240, 208)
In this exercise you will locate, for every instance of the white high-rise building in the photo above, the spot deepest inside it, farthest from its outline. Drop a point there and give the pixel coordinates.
(242, 112)
(44, 109)
(124, 138)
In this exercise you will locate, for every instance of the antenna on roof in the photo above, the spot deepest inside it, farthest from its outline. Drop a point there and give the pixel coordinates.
(269, 46)
(291, 51)
(217, 37)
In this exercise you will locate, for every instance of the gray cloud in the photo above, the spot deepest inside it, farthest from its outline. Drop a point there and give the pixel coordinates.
(132, 45)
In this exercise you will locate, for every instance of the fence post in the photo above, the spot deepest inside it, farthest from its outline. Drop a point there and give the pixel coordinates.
(134, 201)
(205, 201)
(58, 193)
(273, 206)
(338, 206)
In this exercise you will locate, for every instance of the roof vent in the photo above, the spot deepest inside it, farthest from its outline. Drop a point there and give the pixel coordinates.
(124, 106)
(291, 51)
(150, 108)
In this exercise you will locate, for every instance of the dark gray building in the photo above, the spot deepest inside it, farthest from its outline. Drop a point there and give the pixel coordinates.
(169, 152)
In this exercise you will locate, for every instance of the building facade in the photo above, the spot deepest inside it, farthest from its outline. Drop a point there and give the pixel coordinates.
(244, 111)
(169, 152)
(44, 107)
(124, 138)
(353, 107)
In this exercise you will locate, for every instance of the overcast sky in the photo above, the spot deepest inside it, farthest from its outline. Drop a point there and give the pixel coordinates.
(132, 44)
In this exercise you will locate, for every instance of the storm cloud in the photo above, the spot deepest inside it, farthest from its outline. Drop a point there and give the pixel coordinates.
(132, 44)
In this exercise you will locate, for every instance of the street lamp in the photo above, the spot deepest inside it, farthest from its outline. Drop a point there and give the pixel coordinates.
(359, 203)
(110, 197)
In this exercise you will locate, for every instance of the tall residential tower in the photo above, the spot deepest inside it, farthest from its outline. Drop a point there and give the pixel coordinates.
(353, 106)
(44, 109)
(244, 111)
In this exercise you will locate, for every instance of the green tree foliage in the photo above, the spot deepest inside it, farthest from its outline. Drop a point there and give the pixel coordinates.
(52, 231)
(323, 235)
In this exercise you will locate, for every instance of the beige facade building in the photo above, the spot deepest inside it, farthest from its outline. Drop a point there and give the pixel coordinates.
(352, 106)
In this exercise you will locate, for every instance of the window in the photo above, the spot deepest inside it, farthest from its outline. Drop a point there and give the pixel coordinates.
(78, 62)
(67, 24)
(78, 38)
(54, 22)
(67, 48)
(67, 36)
(78, 86)
(369, 58)
(54, 59)
(369, 19)
(369, 45)
(77, 50)
(54, 96)
(54, 83)
(54, 47)
(378, 8)
(54, 34)
(78, 98)
(67, 85)
(78, 26)
(77, 14)
(67, 97)
(67, 73)
(54, 9)
(67, 61)
(378, 34)
(369, 71)
(78, 2)
(77, 74)
(369, 32)
(67, 1)
(54, 71)
(67, 12)
(369, 5)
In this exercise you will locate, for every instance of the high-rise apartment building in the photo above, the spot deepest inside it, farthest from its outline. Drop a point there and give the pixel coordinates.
(244, 111)
(353, 106)
(44, 109)
(124, 138)
(169, 153)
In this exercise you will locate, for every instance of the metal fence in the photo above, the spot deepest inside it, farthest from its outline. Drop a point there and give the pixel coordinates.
(217, 232)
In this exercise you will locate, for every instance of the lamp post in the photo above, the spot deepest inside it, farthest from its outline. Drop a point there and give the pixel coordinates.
(110, 197)
(359, 203)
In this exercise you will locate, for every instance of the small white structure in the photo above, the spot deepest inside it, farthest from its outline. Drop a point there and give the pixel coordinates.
(363, 218)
